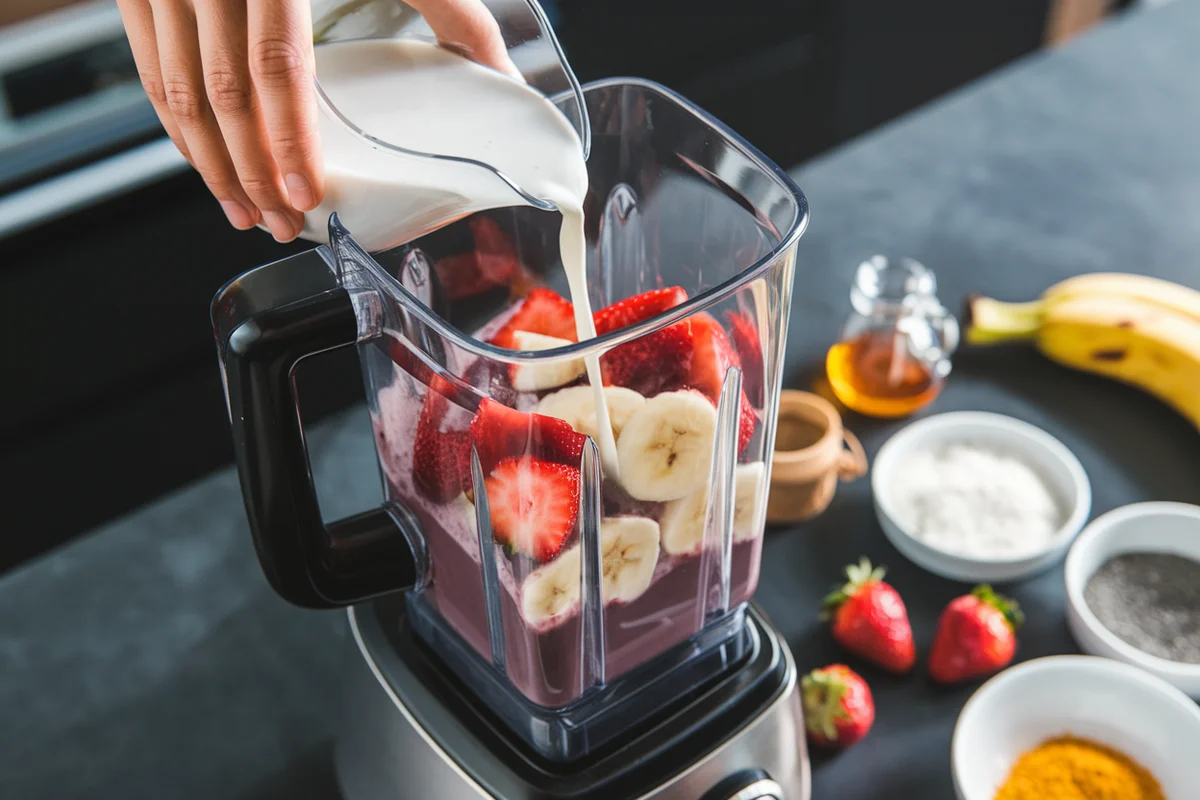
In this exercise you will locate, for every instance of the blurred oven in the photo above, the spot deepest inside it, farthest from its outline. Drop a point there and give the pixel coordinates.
(110, 249)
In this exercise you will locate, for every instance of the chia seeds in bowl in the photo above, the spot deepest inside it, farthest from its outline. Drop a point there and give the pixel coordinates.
(1150, 601)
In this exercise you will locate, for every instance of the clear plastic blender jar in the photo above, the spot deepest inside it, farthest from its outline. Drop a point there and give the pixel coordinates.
(675, 200)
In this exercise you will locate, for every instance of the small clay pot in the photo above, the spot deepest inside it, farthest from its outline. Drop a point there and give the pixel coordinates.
(812, 453)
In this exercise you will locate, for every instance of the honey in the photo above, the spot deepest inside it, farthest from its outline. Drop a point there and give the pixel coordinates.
(875, 374)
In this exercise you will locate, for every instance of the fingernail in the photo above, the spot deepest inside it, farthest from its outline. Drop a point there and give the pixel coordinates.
(300, 192)
(281, 227)
(238, 215)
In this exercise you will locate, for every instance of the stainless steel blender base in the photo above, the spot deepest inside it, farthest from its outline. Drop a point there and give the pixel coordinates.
(384, 753)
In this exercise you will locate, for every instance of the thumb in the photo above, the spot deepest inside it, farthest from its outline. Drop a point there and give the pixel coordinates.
(468, 28)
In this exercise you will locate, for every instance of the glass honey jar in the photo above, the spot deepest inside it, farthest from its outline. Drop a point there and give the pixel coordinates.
(893, 354)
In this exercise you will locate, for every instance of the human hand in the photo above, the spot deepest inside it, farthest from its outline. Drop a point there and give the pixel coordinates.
(231, 81)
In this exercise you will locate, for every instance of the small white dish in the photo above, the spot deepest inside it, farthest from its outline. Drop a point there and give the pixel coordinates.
(1138, 528)
(1049, 457)
(1111, 703)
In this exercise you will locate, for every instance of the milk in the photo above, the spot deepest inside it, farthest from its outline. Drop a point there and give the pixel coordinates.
(420, 97)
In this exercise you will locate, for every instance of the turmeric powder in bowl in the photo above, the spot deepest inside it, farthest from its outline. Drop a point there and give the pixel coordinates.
(1071, 768)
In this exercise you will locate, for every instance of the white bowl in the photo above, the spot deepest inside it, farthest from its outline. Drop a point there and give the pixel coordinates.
(1144, 717)
(1049, 457)
(1138, 528)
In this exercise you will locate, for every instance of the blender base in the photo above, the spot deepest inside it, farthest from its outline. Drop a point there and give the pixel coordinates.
(410, 731)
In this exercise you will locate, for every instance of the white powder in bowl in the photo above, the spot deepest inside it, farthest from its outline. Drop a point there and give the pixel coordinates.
(974, 501)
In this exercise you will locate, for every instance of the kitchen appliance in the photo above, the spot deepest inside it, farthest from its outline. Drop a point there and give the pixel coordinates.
(76, 128)
(462, 687)
(88, 181)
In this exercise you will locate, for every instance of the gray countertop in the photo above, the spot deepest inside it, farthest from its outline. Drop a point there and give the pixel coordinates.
(149, 659)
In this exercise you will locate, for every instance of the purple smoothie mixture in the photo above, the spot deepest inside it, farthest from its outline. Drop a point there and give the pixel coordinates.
(544, 663)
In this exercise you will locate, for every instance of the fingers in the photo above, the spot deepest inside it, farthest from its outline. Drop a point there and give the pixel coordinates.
(187, 102)
(468, 27)
(139, 27)
(281, 63)
(221, 34)
(231, 81)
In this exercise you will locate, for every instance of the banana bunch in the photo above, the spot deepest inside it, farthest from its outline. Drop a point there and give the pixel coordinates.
(1136, 329)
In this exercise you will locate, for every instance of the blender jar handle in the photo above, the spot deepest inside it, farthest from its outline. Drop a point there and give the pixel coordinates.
(266, 322)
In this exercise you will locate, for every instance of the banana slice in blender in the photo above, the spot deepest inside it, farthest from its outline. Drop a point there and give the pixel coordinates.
(665, 449)
(539, 377)
(552, 590)
(628, 553)
(576, 405)
(683, 520)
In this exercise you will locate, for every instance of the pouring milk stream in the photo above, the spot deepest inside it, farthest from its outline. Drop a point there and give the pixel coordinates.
(421, 97)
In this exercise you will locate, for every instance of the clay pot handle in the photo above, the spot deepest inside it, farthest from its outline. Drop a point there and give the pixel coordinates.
(852, 463)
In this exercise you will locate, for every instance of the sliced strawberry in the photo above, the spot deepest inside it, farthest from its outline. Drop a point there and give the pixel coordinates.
(440, 463)
(440, 457)
(542, 312)
(493, 262)
(651, 364)
(500, 432)
(749, 349)
(489, 237)
(460, 276)
(533, 505)
(713, 357)
(747, 422)
(498, 260)
(638, 308)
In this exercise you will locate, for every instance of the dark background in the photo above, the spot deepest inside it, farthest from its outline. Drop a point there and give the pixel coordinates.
(112, 395)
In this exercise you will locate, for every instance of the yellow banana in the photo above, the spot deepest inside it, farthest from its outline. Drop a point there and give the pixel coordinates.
(990, 321)
(1131, 339)
(1154, 348)
(1142, 287)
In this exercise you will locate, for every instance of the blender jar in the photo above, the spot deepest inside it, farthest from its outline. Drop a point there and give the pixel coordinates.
(675, 200)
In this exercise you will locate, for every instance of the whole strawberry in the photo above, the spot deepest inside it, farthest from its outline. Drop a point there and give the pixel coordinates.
(838, 707)
(869, 619)
(975, 636)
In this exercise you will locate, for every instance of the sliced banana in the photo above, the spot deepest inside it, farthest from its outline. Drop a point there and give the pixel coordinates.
(666, 448)
(683, 520)
(552, 590)
(683, 524)
(748, 505)
(576, 405)
(542, 376)
(628, 552)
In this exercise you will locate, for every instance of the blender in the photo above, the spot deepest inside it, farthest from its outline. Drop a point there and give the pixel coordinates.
(481, 672)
